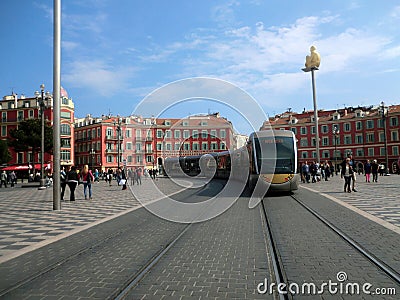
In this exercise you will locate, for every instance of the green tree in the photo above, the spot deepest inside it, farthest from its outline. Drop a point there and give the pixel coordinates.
(5, 155)
(28, 137)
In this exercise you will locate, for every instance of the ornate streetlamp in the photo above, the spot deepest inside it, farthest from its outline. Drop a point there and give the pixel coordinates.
(118, 124)
(335, 134)
(312, 63)
(92, 153)
(42, 107)
(384, 111)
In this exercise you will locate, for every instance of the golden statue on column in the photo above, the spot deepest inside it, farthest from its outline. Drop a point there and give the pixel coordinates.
(313, 60)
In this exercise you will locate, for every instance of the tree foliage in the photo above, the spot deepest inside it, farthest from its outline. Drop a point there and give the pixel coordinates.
(5, 155)
(28, 136)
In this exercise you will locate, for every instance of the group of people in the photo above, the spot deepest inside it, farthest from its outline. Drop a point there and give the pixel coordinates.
(73, 178)
(348, 171)
(316, 171)
(8, 178)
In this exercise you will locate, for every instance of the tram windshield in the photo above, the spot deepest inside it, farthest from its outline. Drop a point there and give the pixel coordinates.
(284, 155)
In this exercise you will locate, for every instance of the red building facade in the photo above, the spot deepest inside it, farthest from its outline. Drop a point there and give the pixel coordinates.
(146, 142)
(14, 110)
(359, 131)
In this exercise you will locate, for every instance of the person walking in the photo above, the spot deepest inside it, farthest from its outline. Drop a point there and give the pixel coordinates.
(110, 175)
(3, 178)
(374, 170)
(367, 171)
(123, 179)
(72, 181)
(306, 172)
(353, 177)
(13, 179)
(347, 173)
(87, 178)
(63, 182)
(139, 175)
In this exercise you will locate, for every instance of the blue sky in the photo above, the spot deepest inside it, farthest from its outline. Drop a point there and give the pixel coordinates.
(115, 52)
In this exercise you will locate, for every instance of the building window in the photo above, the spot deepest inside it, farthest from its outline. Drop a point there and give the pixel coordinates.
(303, 130)
(149, 158)
(382, 151)
(370, 138)
(381, 136)
(294, 130)
(203, 123)
(214, 146)
(204, 146)
(347, 140)
(325, 141)
(4, 116)
(347, 127)
(358, 125)
(393, 121)
(65, 155)
(31, 114)
(20, 157)
(139, 159)
(20, 115)
(129, 158)
(186, 134)
(312, 129)
(185, 123)
(395, 150)
(186, 146)
(3, 130)
(177, 146)
(360, 152)
(128, 146)
(204, 134)
(139, 133)
(359, 139)
(371, 152)
(168, 146)
(370, 124)
(325, 154)
(128, 133)
(303, 142)
(159, 133)
(324, 129)
(159, 147)
(394, 136)
(195, 134)
(213, 133)
(222, 146)
(177, 134)
(66, 142)
(314, 154)
(222, 134)
(65, 115)
(304, 154)
(313, 143)
(196, 146)
(168, 134)
(138, 146)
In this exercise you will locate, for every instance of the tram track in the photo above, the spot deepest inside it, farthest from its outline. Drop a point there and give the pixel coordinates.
(372, 258)
(281, 274)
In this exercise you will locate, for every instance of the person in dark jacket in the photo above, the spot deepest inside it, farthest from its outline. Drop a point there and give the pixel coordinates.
(63, 182)
(72, 180)
(374, 170)
(347, 173)
(367, 171)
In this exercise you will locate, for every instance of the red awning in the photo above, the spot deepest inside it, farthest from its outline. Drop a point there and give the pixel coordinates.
(25, 167)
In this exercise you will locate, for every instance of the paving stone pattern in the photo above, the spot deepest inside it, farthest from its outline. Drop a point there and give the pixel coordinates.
(313, 253)
(224, 258)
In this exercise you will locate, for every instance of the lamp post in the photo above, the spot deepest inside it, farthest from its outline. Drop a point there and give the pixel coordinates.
(42, 107)
(312, 64)
(384, 111)
(92, 153)
(118, 124)
(335, 133)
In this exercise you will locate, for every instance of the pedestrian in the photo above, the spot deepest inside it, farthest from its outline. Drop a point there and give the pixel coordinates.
(96, 175)
(63, 182)
(347, 173)
(131, 177)
(110, 174)
(123, 179)
(306, 171)
(353, 177)
(118, 176)
(13, 178)
(72, 181)
(327, 169)
(3, 178)
(87, 179)
(374, 170)
(139, 175)
(381, 169)
(367, 171)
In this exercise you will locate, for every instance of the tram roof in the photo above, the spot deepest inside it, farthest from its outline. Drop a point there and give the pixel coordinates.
(272, 132)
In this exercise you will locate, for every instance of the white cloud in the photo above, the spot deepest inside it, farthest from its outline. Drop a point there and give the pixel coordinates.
(98, 76)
